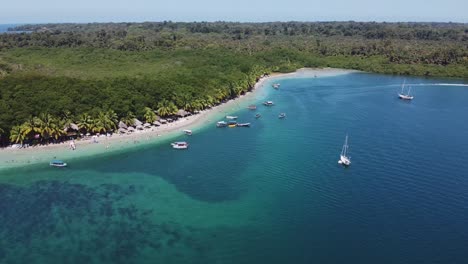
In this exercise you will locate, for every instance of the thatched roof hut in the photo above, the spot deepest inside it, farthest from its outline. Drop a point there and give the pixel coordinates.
(71, 127)
(182, 113)
(137, 122)
(122, 125)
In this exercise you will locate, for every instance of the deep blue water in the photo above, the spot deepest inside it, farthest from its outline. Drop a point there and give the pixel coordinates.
(272, 193)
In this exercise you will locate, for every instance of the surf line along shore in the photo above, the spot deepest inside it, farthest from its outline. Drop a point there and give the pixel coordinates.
(10, 157)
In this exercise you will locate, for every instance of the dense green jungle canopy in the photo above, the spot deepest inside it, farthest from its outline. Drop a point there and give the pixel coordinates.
(95, 75)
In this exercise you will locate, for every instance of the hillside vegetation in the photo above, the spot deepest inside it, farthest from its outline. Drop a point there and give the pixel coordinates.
(92, 73)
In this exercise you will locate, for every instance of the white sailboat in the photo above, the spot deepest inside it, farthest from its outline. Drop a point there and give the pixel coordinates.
(344, 159)
(404, 96)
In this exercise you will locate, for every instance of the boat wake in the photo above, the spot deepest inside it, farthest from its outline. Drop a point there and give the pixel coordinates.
(449, 84)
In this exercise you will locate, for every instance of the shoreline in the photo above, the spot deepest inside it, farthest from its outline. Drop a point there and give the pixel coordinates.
(11, 158)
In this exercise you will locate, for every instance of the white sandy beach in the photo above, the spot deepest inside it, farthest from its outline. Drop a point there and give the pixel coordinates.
(10, 157)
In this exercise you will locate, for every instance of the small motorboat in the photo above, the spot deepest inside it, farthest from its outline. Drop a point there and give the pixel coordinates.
(231, 117)
(57, 163)
(258, 116)
(252, 107)
(243, 124)
(282, 115)
(187, 132)
(276, 85)
(179, 145)
(268, 103)
(232, 124)
(221, 124)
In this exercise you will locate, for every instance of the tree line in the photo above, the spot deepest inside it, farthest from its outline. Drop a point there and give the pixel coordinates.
(58, 73)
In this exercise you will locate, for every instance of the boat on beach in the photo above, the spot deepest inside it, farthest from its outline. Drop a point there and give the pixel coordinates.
(58, 163)
(187, 132)
(268, 103)
(221, 124)
(404, 96)
(180, 145)
(243, 124)
(282, 115)
(231, 117)
(344, 158)
(257, 116)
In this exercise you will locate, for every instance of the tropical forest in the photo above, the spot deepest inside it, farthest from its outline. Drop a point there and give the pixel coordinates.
(92, 77)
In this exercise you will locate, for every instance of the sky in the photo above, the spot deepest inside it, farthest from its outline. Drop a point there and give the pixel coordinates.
(53, 11)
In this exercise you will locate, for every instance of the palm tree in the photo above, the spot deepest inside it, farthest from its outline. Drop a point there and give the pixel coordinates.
(47, 125)
(85, 122)
(197, 105)
(113, 118)
(98, 123)
(104, 122)
(166, 108)
(17, 134)
(149, 115)
(129, 119)
(32, 125)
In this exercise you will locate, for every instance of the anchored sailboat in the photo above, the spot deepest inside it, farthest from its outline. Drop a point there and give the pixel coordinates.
(344, 159)
(406, 96)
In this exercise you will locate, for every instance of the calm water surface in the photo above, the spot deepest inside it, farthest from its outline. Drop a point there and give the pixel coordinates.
(272, 193)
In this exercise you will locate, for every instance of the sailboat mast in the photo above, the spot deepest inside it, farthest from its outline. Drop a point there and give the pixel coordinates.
(345, 146)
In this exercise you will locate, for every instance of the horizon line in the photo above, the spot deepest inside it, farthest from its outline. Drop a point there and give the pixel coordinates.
(241, 22)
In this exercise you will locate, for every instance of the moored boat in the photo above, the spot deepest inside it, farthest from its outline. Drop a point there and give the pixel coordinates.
(232, 124)
(221, 124)
(276, 85)
(57, 163)
(282, 115)
(252, 107)
(268, 103)
(180, 145)
(231, 117)
(257, 116)
(187, 132)
(243, 124)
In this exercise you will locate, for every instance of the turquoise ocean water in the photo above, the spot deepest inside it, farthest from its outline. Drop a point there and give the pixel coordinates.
(271, 193)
